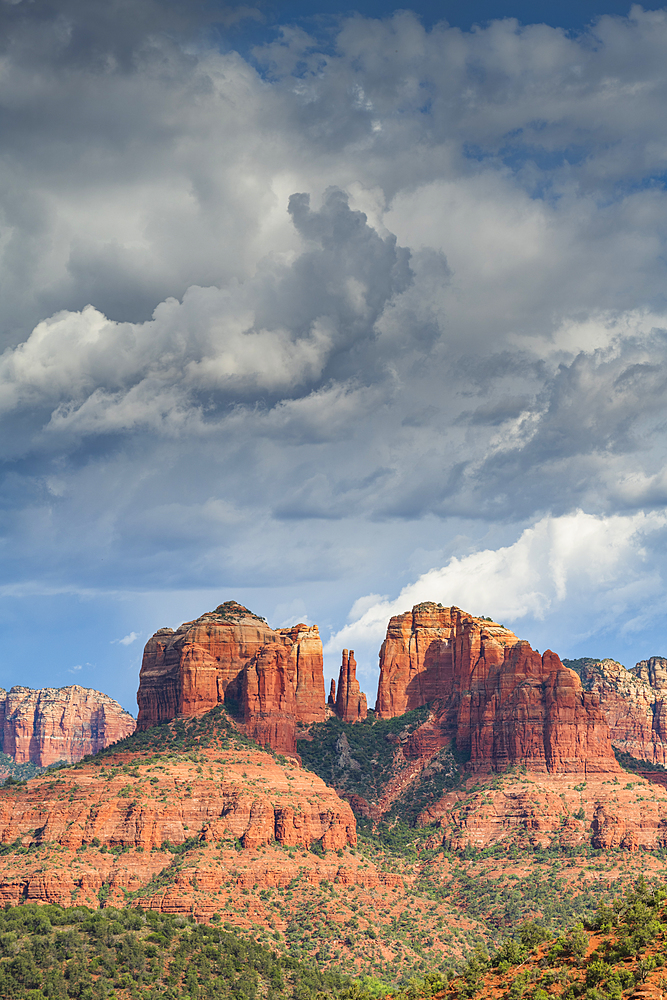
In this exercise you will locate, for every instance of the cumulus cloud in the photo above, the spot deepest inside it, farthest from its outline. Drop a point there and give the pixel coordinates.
(333, 314)
(600, 564)
(292, 326)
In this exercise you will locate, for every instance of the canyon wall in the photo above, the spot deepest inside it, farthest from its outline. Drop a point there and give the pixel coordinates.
(270, 679)
(496, 698)
(634, 702)
(59, 724)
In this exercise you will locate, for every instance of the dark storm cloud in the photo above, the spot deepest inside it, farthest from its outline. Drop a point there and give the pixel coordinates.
(303, 317)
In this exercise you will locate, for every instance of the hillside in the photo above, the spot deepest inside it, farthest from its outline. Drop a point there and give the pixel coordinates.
(384, 767)
(619, 953)
(50, 951)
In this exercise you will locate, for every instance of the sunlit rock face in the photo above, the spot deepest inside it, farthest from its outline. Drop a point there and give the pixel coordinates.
(59, 724)
(496, 698)
(270, 679)
(350, 702)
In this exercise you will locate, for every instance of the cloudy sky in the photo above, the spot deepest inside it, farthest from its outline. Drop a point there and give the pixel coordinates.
(330, 315)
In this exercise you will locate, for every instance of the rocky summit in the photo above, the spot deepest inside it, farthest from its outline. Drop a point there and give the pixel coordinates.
(496, 698)
(48, 725)
(270, 679)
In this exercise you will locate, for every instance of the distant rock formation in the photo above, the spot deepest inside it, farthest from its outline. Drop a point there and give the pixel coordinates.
(271, 679)
(59, 724)
(634, 702)
(331, 700)
(350, 701)
(491, 693)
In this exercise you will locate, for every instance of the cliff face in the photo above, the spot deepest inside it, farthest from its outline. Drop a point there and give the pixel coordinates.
(271, 679)
(243, 794)
(497, 698)
(54, 724)
(418, 655)
(350, 701)
(634, 702)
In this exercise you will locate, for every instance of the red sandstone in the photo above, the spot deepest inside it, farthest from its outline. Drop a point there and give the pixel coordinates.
(497, 698)
(59, 724)
(271, 679)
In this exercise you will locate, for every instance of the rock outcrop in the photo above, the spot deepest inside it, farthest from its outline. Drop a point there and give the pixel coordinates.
(495, 697)
(270, 679)
(554, 811)
(350, 701)
(244, 795)
(633, 701)
(47, 725)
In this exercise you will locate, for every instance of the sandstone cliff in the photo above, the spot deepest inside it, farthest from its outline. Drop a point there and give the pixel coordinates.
(554, 811)
(634, 702)
(350, 701)
(271, 679)
(244, 795)
(495, 697)
(59, 724)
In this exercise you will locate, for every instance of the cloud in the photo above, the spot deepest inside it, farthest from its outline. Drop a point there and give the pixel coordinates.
(127, 640)
(327, 317)
(288, 330)
(557, 562)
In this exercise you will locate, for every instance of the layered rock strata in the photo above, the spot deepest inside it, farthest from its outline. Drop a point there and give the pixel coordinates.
(244, 795)
(554, 811)
(59, 724)
(271, 679)
(634, 702)
(495, 697)
(350, 700)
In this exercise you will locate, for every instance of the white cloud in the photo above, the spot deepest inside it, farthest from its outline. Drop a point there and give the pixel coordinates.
(553, 566)
(207, 382)
(127, 640)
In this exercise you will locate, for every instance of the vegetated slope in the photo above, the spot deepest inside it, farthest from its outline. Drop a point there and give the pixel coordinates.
(394, 907)
(377, 766)
(52, 952)
(620, 952)
(150, 822)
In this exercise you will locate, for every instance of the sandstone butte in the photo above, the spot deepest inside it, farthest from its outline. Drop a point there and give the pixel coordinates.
(59, 724)
(270, 679)
(222, 797)
(634, 702)
(495, 697)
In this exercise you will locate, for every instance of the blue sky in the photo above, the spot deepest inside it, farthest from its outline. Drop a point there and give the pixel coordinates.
(330, 314)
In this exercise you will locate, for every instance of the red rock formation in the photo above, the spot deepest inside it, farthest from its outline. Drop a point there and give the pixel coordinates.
(245, 794)
(269, 697)
(271, 679)
(309, 666)
(416, 659)
(552, 810)
(498, 699)
(350, 702)
(331, 700)
(59, 724)
(634, 703)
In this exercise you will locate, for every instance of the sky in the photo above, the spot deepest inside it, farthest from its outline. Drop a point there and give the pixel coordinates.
(330, 313)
